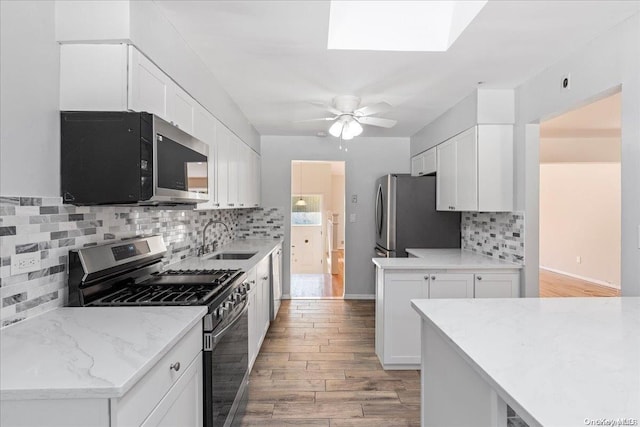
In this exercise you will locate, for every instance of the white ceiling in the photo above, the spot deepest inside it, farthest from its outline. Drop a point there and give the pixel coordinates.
(271, 57)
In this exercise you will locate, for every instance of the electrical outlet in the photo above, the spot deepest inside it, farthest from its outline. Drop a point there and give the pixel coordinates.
(579, 259)
(25, 263)
(354, 198)
(352, 217)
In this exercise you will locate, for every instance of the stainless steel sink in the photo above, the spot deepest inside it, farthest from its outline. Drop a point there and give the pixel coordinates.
(233, 255)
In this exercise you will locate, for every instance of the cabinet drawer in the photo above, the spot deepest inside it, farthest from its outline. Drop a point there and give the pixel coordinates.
(137, 404)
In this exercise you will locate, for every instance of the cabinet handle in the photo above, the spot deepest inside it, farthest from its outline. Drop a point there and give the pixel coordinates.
(265, 278)
(433, 277)
(420, 173)
(241, 204)
(230, 204)
(426, 277)
(216, 204)
(175, 366)
(253, 282)
(479, 277)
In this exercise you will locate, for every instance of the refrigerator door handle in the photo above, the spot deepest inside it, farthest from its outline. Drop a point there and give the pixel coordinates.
(379, 208)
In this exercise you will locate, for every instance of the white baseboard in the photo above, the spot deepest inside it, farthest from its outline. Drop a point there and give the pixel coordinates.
(359, 296)
(586, 279)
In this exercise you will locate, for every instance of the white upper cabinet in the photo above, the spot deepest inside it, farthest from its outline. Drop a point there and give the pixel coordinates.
(93, 77)
(424, 163)
(475, 170)
(255, 179)
(233, 155)
(118, 77)
(149, 88)
(182, 108)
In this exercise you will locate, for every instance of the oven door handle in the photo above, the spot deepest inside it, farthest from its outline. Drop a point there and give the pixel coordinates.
(218, 336)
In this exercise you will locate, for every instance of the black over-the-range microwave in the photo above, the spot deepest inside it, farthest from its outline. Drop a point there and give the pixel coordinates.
(130, 158)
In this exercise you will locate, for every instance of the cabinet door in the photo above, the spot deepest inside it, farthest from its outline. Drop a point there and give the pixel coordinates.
(204, 128)
(446, 181)
(495, 168)
(264, 297)
(446, 285)
(93, 77)
(180, 109)
(429, 161)
(255, 179)
(467, 171)
(244, 175)
(252, 315)
(148, 85)
(416, 165)
(223, 137)
(401, 322)
(182, 405)
(500, 285)
(232, 172)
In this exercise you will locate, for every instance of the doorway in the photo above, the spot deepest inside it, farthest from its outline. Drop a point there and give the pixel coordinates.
(317, 229)
(580, 201)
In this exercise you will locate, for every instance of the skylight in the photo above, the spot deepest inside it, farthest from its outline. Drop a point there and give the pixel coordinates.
(426, 26)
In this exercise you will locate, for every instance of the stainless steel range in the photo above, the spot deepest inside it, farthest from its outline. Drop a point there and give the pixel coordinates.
(129, 273)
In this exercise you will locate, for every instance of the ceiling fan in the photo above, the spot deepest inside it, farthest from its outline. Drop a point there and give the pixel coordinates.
(348, 118)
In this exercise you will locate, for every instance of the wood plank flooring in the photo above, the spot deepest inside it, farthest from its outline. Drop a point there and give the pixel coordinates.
(317, 286)
(317, 367)
(558, 285)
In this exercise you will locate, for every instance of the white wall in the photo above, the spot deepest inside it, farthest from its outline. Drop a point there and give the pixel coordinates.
(142, 23)
(338, 196)
(366, 160)
(580, 216)
(601, 67)
(29, 96)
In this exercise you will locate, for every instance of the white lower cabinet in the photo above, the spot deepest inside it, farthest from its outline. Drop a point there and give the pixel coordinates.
(259, 278)
(170, 394)
(397, 339)
(500, 285)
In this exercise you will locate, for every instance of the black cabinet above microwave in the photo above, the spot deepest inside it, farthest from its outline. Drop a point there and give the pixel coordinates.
(130, 158)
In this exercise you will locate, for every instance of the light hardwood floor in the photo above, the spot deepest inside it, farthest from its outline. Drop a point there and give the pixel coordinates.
(316, 286)
(317, 367)
(559, 285)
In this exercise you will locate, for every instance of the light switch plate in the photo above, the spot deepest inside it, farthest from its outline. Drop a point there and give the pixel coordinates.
(352, 217)
(25, 263)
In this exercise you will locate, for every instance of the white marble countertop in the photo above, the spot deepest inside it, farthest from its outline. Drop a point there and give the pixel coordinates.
(88, 352)
(558, 361)
(452, 259)
(262, 246)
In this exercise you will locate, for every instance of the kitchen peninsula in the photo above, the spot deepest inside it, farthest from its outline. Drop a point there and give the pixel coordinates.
(555, 361)
(430, 273)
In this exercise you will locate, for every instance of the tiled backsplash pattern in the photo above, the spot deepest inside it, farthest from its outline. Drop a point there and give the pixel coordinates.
(261, 223)
(46, 226)
(495, 234)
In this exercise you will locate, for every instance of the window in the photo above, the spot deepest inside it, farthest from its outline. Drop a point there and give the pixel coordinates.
(309, 214)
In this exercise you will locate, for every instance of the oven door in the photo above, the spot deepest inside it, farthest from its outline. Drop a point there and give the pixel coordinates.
(226, 365)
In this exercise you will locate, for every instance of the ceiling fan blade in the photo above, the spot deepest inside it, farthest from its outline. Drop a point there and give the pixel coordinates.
(368, 110)
(324, 119)
(377, 121)
(329, 108)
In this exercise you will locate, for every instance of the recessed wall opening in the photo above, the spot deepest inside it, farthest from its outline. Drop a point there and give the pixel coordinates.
(317, 229)
(580, 201)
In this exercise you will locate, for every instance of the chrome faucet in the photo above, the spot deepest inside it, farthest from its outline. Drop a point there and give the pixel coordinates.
(203, 249)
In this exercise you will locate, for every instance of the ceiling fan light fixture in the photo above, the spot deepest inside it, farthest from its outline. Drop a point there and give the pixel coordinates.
(336, 128)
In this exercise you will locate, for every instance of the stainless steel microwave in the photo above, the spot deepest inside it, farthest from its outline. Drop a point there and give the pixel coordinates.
(130, 158)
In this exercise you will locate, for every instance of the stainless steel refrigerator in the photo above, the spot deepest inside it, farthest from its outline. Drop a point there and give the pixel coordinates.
(406, 216)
